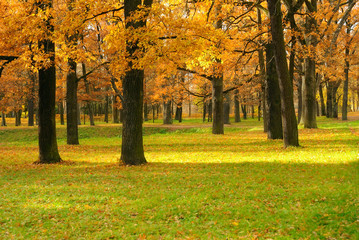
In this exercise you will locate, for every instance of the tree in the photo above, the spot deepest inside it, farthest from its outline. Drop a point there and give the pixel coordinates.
(289, 122)
(272, 92)
(48, 151)
(132, 152)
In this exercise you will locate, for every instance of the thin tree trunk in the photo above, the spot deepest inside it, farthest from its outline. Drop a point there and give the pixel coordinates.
(145, 111)
(289, 121)
(89, 104)
(153, 113)
(114, 110)
(189, 106)
(79, 113)
(71, 104)
(61, 110)
(106, 109)
(244, 111)
(227, 107)
(18, 117)
(300, 98)
(309, 92)
(346, 83)
(204, 109)
(31, 101)
(167, 112)
(210, 111)
(275, 130)
(31, 112)
(322, 104)
(3, 119)
(237, 113)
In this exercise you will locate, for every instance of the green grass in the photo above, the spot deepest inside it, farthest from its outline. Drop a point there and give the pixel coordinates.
(196, 185)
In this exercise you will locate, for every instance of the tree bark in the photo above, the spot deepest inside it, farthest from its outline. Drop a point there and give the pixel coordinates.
(61, 111)
(18, 117)
(244, 111)
(178, 115)
(48, 151)
(89, 104)
(346, 83)
(204, 114)
(3, 119)
(106, 109)
(217, 87)
(31, 101)
(300, 98)
(274, 130)
(237, 113)
(167, 112)
(227, 108)
(132, 152)
(114, 110)
(71, 104)
(145, 111)
(309, 92)
(322, 104)
(289, 121)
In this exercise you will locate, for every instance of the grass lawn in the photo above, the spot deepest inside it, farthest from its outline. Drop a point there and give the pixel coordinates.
(196, 185)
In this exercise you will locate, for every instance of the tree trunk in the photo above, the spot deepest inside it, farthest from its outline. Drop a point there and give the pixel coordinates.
(210, 111)
(204, 109)
(145, 111)
(106, 109)
(322, 104)
(289, 121)
(227, 108)
(300, 98)
(3, 119)
(31, 101)
(309, 93)
(189, 106)
(48, 151)
(71, 104)
(252, 111)
(18, 117)
(114, 110)
(61, 110)
(132, 152)
(332, 108)
(237, 113)
(346, 83)
(217, 86)
(167, 112)
(79, 113)
(275, 130)
(89, 104)
(244, 111)
(178, 115)
(121, 114)
(153, 113)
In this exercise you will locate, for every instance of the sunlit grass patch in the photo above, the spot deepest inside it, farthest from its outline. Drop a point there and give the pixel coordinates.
(196, 185)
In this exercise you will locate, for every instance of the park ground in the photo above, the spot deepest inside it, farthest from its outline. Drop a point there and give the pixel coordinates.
(196, 185)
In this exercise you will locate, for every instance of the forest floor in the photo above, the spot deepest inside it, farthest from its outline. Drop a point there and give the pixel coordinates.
(196, 185)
